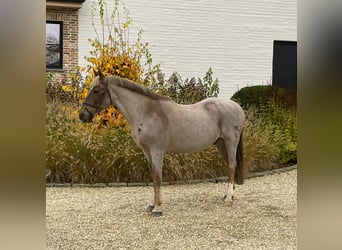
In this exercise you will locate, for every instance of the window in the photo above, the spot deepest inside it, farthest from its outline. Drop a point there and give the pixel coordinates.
(284, 73)
(54, 45)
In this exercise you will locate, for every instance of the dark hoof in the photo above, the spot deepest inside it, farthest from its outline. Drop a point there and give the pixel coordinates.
(224, 197)
(156, 214)
(150, 209)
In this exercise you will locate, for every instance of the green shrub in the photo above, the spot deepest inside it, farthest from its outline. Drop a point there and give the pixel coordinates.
(56, 92)
(261, 143)
(261, 95)
(276, 111)
(87, 153)
(188, 91)
(271, 137)
(284, 121)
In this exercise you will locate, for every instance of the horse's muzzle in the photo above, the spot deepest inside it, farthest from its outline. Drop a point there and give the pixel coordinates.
(85, 115)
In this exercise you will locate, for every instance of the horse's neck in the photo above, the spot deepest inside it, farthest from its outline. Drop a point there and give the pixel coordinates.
(129, 103)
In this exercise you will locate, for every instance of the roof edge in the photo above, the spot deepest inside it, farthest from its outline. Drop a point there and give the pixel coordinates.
(71, 4)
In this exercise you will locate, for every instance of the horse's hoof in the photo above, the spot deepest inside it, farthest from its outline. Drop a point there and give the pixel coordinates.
(156, 214)
(150, 209)
(228, 202)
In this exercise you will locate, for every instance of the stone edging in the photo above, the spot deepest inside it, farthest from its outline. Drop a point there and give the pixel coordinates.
(142, 184)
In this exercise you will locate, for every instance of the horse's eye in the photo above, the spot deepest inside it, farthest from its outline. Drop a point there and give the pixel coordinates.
(96, 91)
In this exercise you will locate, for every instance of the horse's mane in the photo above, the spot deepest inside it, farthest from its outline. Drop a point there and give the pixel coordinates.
(137, 88)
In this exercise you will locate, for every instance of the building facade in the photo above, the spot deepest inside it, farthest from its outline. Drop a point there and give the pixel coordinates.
(235, 38)
(62, 37)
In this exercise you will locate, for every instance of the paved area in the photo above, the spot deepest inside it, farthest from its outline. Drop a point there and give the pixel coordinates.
(194, 217)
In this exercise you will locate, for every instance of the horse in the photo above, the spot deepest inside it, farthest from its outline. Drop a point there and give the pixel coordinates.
(160, 125)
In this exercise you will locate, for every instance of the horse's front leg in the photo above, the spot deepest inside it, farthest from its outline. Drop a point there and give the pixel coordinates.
(157, 157)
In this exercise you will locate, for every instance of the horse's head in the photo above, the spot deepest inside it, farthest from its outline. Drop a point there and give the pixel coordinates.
(97, 99)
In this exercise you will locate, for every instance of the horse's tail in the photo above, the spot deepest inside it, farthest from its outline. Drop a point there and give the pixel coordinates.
(239, 172)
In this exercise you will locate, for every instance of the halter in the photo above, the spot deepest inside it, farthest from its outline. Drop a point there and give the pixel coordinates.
(97, 106)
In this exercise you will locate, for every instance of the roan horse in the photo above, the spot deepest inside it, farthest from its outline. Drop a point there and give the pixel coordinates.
(160, 125)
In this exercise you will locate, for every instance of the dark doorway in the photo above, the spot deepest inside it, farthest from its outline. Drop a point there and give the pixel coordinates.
(284, 73)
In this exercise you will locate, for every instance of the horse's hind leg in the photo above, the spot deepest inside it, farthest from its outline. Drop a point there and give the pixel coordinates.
(222, 149)
(228, 153)
(231, 152)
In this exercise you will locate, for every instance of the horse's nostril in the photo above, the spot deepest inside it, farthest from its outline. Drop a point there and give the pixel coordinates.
(84, 117)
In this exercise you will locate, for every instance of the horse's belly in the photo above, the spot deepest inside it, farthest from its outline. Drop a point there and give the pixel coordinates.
(187, 148)
(192, 140)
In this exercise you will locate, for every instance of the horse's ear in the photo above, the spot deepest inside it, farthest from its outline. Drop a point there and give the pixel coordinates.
(95, 72)
(101, 75)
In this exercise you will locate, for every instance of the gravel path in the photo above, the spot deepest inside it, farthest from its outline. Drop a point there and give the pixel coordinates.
(194, 217)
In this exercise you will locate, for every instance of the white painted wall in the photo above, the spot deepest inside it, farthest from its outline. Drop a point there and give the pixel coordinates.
(234, 37)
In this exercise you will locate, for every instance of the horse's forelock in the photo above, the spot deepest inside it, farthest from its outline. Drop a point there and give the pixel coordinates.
(95, 82)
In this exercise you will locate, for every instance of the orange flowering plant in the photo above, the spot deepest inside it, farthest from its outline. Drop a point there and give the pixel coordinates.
(114, 55)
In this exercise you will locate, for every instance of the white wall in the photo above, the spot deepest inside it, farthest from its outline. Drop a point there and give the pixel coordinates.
(234, 37)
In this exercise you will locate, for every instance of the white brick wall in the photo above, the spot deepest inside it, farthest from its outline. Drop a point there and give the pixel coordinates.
(234, 37)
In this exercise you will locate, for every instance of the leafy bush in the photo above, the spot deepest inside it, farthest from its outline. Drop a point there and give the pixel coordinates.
(284, 121)
(277, 117)
(112, 53)
(261, 143)
(84, 153)
(61, 93)
(261, 95)
(188, 91)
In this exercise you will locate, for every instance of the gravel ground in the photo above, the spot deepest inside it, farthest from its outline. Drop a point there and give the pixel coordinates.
(194, 217)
